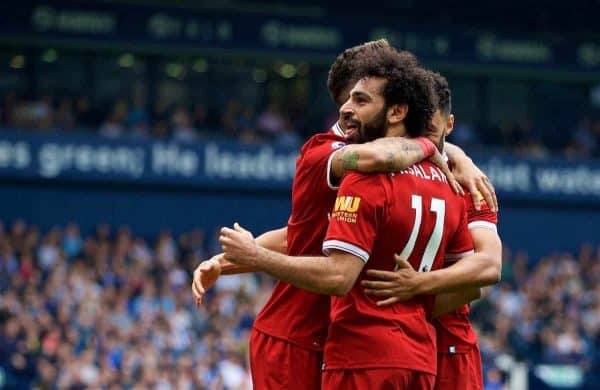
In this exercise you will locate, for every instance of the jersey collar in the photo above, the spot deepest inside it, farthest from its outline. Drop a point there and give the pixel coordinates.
(337, 129)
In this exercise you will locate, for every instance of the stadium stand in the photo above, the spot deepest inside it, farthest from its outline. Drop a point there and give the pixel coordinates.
(135, 119)
(112, 308)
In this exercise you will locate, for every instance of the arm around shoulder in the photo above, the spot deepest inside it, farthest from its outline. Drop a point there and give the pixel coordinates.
(390, 154)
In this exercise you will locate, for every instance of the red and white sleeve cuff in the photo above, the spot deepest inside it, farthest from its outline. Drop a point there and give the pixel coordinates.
(483, 225)
(346, 247)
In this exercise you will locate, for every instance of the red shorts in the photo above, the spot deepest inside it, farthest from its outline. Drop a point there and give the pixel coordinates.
(277, 364)
(460, 370)
(377, 378)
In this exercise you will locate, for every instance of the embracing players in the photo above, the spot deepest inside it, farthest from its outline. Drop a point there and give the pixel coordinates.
(375, 216)
(290, 331)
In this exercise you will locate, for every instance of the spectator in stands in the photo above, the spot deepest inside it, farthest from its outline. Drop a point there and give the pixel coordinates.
(138, 118)
(200, 116)
(246, 123)
(584, 141)
(271, 122)
(138, 112)
(35, 114)
(114, 126)
(65, 117)
(229, 119)
(183, 129)
(7, 112)
(238, 121)
(86, 116)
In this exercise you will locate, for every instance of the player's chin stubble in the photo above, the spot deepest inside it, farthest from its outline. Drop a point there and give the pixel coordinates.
(375, 128)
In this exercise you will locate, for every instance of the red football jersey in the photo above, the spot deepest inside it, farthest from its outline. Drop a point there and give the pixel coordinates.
(454, 330)
(414, 213)
(293, 314)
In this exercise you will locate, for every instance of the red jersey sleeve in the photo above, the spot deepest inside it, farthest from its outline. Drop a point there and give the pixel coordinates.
(482, 218)
(318, 155)
(356, 215)
(460, 244)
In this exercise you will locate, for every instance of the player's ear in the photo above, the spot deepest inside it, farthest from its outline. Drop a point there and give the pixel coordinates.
(396, 113)
(450, 125)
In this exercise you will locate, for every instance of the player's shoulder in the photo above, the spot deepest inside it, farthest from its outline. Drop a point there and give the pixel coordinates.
(470, 205)
(328, 139)
(368, 187)
(320, 147)
(484, 214)
(373, 179)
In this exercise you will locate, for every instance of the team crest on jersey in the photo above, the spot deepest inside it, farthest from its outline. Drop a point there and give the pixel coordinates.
(337, 144)
(346, 208)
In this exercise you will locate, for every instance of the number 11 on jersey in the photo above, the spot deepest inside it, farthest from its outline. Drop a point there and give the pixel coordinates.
(438, 206)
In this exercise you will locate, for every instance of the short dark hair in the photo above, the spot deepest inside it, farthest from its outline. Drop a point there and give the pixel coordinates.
(347, 68)
(444, 95)
(406, 84)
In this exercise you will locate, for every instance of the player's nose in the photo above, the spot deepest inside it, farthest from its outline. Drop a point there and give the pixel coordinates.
(346, 110)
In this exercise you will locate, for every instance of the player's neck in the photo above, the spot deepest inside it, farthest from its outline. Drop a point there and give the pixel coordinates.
(396, 131)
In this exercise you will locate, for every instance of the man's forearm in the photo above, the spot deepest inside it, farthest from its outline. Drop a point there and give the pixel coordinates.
(228, 268)
(316, 274)
(481, 269)
(448, 302)
(392, 154)
(454, 152)
(275, 240)
(474, 271)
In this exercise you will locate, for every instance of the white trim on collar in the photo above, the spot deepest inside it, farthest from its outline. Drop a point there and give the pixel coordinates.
(337, 129)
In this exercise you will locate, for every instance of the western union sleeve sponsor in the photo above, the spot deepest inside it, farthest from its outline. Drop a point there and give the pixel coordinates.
(349, 204)
(346, 208)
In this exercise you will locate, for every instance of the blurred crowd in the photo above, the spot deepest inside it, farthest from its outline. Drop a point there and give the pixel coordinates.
(111, 309)
(134, 118)
(524, 138)
(544, 311)
(273, 122)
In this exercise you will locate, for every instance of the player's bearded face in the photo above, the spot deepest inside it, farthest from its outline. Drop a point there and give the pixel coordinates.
(361, 119)
(369, 130)
(375, 128)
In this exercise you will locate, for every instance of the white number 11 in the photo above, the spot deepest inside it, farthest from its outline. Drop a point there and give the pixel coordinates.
(438, 206)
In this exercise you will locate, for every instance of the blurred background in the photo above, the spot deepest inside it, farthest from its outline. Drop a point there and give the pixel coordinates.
(132, 130)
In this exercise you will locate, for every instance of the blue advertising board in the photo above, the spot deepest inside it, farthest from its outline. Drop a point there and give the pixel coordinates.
(231, 165)
(89, 158)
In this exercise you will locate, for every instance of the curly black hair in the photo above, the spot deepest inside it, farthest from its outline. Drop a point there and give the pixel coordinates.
(442, 90)
(351, 63)
(406, 84)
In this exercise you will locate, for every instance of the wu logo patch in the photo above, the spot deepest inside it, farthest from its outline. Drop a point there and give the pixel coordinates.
(346, 208)
(348, 204)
